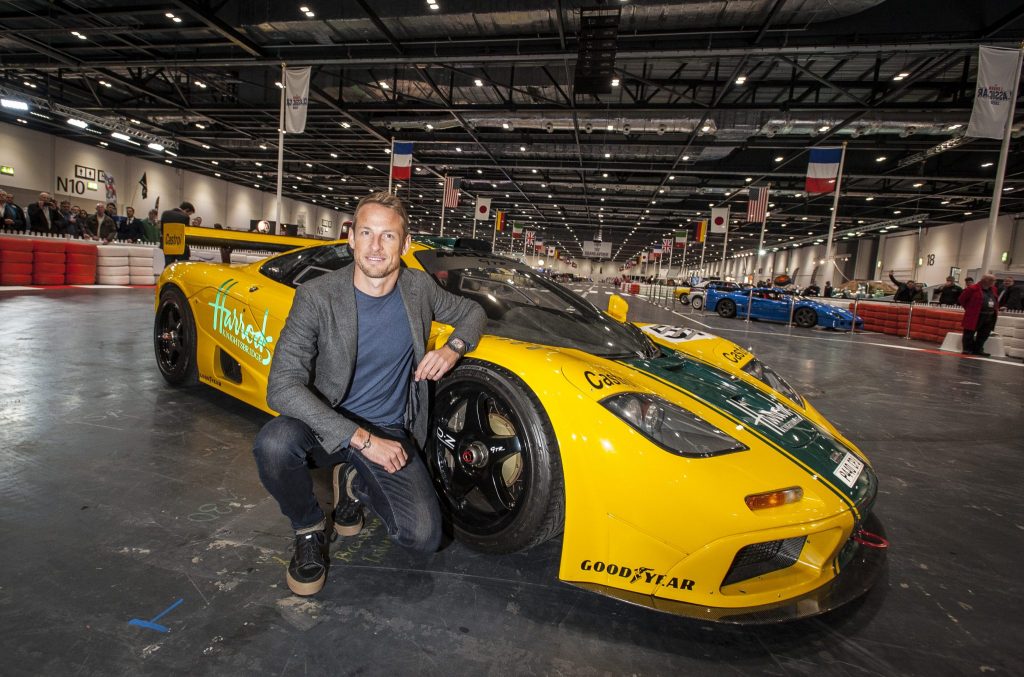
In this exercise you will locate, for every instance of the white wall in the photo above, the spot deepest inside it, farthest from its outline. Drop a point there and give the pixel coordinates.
(43, 162)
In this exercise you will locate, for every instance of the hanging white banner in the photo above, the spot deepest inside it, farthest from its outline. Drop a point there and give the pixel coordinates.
(296, 101)
(997, 78)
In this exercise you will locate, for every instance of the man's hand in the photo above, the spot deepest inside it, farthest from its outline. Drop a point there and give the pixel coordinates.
(436, 364)
(388, 454)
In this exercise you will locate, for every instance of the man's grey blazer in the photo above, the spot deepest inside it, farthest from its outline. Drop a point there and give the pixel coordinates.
(315, 357)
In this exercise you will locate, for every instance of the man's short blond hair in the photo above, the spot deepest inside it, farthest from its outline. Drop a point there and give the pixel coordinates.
(392, 202)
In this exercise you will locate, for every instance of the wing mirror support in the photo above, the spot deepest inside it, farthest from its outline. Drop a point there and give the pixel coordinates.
(618, 308)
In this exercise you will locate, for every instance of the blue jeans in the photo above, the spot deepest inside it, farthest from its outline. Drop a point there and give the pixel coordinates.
(405, 501)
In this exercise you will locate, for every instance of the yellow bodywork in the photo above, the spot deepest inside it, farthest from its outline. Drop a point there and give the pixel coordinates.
(637, 518)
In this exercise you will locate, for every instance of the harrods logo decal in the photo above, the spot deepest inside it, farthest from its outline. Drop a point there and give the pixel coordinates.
(230, 323)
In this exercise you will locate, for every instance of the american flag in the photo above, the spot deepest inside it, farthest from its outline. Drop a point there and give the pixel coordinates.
(757, 205)
(451, 191)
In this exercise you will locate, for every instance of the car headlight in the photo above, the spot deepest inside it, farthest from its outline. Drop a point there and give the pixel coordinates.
(767, 376)
(671, 427)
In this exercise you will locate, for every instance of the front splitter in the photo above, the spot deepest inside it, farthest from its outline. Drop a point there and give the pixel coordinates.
(857, 577)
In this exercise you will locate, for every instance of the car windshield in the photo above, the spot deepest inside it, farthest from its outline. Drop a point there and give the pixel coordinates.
(523, 305)
(303, 265)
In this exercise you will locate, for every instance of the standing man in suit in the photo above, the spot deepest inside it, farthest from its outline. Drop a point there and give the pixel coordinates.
(131, 229)
(349, 378)
(13, 215)
(43, 216)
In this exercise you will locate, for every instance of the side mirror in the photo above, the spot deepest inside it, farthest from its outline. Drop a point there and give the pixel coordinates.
(618, 308)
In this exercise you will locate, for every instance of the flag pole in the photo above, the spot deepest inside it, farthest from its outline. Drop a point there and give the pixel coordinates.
(987, 258)
(494, 235)
(391, 165)
(835, 213)
(703, 246)
(444, 190)
(280, 148)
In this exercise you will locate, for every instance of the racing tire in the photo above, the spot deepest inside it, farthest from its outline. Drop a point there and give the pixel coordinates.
(48, 256)
(805, 318)
(494, 460)
(15, 279)
(81, 258)
(113, 261)
(48, 269)
(726, 308)
(112, 279)
(174, 338)
(697, 302)
(14, 256)
(18, 269)
(49, 246)
(48, 280)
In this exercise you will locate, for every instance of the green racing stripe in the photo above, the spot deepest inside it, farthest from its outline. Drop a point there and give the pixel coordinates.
(770, 418)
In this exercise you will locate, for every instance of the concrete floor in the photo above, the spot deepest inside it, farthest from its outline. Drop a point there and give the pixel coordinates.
(120, 496)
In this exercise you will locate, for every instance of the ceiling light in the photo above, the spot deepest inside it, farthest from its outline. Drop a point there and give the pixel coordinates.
(259, 164)
(104, 143)
(478, 82)
(749, 179)
(611, 127)
(880, 158)
(952, 127)
(201, 85)
(869, 198)
(778, 158)
(120, 136)
(369, 166)
(75, 122)
(534, 171)
(279, 85)
(171, 153)
(334, 155)
(824, 128)
(24, 122)
(706, 128)
(458, 149)
(986, 164)
(217, 174)
(169, 15)
(14, 104)
(214, 162)
(155, 146)
(206, 146)
(741, 79)
(607, 155)
(308, 165)
(615, 82)
(176, 19)
(897, 211)
(685, 158)
(310, 14)
(345, 125)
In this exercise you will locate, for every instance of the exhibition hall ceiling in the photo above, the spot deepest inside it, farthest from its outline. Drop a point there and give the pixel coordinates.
(624, 121)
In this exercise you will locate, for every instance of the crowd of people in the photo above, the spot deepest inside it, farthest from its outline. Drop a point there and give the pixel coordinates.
(45, 215)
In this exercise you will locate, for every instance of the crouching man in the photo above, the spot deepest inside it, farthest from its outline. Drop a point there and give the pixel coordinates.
(349, 378)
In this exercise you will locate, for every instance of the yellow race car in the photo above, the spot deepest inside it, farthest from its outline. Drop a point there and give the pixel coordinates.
(684, 474)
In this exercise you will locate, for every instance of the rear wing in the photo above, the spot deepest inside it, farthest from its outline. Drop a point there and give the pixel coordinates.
(216, 237)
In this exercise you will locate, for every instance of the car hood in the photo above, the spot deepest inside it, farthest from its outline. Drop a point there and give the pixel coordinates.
(695, 385)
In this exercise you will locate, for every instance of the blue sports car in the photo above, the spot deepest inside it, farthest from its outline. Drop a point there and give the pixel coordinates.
(773, 304)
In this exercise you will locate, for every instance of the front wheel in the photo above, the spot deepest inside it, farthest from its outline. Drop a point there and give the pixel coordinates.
(805, 317)
(726, 308)
(174, 338)
(697, 302)
(494, 460)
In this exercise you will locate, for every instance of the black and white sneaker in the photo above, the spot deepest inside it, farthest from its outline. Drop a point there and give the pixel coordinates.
(348, 511)
(307, 571)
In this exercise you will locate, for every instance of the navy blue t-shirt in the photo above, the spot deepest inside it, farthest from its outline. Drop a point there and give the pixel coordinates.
(384, 359)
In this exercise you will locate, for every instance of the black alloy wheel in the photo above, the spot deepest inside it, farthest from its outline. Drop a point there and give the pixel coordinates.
(805, 317)
(494, 460)
(174, 338)
(726, 308)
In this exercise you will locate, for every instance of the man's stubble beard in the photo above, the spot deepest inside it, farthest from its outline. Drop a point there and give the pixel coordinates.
(377, 274)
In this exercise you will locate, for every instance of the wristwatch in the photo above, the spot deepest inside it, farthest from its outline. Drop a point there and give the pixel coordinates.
(458, 345)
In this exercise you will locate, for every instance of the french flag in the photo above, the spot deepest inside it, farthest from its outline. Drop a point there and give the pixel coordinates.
(823, 170)
(401, 160)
